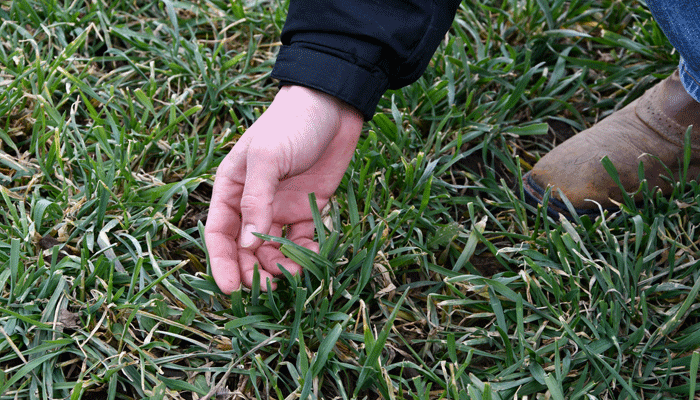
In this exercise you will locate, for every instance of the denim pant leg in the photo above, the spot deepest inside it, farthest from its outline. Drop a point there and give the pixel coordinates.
(680, 21)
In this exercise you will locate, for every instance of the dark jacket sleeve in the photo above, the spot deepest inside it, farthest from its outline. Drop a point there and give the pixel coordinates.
(356, 50)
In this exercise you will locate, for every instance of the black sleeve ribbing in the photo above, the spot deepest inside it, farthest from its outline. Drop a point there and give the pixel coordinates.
(356, 50)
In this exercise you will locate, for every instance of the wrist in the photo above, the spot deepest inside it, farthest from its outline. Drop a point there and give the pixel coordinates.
(345, 111)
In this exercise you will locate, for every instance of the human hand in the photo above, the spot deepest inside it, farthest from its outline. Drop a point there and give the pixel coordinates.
(303, 143)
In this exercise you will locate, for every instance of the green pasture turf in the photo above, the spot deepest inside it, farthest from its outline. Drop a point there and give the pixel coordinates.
(435, 280)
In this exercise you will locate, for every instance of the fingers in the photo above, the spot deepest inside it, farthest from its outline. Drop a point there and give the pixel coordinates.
(221, 231)
(261, 182)
(241, 204)
(269, 254)
(248, 261)
(224, 267)
(302, 233)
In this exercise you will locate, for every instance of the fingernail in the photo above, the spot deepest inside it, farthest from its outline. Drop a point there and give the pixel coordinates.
(247, 238)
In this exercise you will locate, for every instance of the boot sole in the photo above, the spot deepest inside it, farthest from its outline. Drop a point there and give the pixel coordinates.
(534, 194)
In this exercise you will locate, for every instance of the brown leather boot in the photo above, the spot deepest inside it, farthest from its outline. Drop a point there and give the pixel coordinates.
(652, 126)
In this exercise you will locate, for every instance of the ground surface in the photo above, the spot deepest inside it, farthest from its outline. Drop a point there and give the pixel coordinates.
(435, 279)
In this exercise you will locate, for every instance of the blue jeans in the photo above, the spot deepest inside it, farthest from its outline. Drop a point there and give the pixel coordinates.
(680, 21)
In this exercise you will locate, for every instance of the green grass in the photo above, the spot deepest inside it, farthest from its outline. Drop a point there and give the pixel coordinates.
(434, 281)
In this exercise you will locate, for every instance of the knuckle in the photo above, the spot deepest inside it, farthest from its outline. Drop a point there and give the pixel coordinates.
(251, 202)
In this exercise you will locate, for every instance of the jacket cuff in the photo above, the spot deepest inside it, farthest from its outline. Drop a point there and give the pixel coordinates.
(312, 67)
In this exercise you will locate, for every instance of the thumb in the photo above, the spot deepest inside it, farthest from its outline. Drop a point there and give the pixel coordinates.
(261, 182)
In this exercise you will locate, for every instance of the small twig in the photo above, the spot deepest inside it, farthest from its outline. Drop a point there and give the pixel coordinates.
(12, 344)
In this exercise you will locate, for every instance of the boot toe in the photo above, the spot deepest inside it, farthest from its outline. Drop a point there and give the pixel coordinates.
(649, 130)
